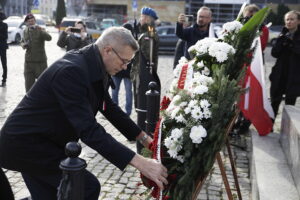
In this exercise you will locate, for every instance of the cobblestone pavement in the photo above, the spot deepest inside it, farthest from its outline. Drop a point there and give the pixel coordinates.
(117, 184)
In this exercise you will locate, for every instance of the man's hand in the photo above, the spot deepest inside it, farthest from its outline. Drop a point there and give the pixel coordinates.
(151, 169)
(181, 18)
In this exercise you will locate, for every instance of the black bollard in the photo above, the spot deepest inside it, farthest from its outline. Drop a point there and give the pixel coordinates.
(153, 99)
(72, 184)
(152, 111)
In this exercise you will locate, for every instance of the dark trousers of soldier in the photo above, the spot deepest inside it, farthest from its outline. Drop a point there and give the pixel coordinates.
(4, 65)
(5, 189)
(32, 71)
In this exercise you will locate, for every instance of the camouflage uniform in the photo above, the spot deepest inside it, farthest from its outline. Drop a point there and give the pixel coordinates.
(141, 73)
(35, 56)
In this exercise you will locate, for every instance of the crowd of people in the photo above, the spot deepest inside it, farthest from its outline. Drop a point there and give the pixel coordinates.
(33, 138)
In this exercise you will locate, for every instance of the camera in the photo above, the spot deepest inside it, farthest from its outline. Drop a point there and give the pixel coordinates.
(75, 30)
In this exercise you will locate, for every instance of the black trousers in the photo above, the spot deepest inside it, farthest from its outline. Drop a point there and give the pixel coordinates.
(4, 64)
(5, 189)
(44, 187)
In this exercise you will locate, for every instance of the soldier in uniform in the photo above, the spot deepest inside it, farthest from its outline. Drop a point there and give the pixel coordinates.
(35, 56)
(144, 68)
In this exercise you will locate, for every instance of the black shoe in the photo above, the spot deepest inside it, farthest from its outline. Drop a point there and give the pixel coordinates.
(3, 84)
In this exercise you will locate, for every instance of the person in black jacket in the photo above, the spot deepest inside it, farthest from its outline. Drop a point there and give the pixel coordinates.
(196, 32)
(285, 74)
(61, 107)
(3, 47)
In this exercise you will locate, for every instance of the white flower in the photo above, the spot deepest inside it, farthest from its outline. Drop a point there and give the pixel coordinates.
(183, 104)
(205, 71)
(197, 133)
(174, 112)
(221, 50)
(180, 159)
(202, 46)
(206, 113)
(201, 89)
(196, 113)
(176, 133)
(174, 142)
(200, 64)
(183, 60)
(180, 119)
(204, 103)
(233, 26)
(187, 110)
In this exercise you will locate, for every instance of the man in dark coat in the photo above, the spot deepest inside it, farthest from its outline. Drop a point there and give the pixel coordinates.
(196, 32)
(61, 107)
(3, 47)
(285, 74)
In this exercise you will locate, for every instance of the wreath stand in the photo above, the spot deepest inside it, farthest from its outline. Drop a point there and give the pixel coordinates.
(218, 157)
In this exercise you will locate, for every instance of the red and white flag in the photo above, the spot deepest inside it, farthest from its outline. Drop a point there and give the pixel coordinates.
(254, 104)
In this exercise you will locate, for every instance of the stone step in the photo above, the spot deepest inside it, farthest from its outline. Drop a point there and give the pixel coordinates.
(271, 177)
(290, 140)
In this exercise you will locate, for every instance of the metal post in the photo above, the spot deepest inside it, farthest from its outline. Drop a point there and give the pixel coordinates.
(72, 184)
(153, 98)
(150, 116)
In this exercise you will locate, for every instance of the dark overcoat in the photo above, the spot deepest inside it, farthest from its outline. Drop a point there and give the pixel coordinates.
(286, 71)
(61, 107)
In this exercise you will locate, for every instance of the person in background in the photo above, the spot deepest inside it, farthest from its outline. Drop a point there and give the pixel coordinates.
(144, 70)
(286, 71)
(3, 48)
(197, 32)
(125, 76)
(61, 107)
(74, 37)
(33, 42)
(180, 45)
(242, 124)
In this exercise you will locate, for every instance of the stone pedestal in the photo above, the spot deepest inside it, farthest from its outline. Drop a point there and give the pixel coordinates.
(290, 140)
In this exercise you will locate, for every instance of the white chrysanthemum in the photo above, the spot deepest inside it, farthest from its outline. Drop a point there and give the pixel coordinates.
(176, 133)
(202, 46)
(174, 142)
(180, 119)
(197, 113)
(192, 103)
(200, 89)
(187, 110)
(202, 79)
(200, 64)
(233, 26)
(205, 71)
(220, 50)
(204, 103)
(206, 113)
(183, 60)
(174, 112)
(183, 104)
(180, 159)
(197, 133)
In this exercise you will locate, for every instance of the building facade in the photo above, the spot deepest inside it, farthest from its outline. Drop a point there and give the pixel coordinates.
(47, 7)
(17, 7)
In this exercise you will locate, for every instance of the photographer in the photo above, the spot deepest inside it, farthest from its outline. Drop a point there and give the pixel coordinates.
(285, 74)
(35, 57)
(74, 37)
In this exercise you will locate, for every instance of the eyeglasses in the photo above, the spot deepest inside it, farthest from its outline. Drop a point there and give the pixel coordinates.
(124, 61)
